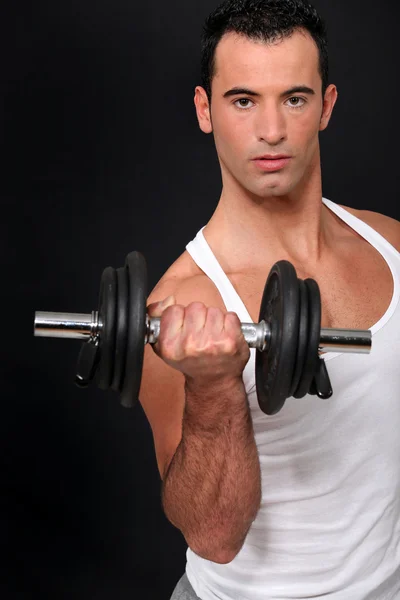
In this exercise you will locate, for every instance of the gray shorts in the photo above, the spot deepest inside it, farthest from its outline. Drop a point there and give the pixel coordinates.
(184, 590)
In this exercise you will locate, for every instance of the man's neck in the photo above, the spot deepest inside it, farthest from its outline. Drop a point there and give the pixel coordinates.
(245, 233)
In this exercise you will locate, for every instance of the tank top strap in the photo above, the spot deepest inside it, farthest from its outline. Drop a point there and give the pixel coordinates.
(385, 249)
(366, 231)
(204, 258)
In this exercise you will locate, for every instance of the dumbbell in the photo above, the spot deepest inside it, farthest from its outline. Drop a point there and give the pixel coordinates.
(288, 338)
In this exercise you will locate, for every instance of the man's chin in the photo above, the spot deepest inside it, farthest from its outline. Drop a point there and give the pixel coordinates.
(275, 191)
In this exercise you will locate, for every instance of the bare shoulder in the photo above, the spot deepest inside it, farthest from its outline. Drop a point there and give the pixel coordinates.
(387, 227)
(187, 283)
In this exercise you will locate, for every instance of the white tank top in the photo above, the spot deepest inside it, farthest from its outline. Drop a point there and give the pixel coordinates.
(329, 520)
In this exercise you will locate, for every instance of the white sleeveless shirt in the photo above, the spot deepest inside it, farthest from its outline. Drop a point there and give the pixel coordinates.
(329, 520)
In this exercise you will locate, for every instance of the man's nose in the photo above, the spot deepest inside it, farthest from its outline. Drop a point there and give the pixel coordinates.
(271, 125)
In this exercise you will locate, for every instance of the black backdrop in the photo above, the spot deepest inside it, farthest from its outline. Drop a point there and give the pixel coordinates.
(101, 155)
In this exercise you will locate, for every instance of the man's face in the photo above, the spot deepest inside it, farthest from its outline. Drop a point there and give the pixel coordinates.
(284, 118)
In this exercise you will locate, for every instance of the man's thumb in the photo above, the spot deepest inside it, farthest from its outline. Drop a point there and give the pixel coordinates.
(157, 308)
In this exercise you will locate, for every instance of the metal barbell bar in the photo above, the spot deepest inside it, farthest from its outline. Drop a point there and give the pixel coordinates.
(88, 326)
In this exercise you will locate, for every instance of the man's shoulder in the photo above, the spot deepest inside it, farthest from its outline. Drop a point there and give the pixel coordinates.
(188, 283)
(387, 227)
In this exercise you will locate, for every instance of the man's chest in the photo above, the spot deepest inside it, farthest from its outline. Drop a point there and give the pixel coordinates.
(355, 293)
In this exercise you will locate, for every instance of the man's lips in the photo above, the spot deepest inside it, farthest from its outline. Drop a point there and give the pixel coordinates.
(272, 157)
(274, 163)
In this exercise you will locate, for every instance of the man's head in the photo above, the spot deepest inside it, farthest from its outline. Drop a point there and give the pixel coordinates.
(265, 21)
(275, 52)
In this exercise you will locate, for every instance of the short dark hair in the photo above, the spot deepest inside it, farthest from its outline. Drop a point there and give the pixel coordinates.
(261, 20)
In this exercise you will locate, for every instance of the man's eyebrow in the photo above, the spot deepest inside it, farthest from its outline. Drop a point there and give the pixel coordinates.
(297, 89)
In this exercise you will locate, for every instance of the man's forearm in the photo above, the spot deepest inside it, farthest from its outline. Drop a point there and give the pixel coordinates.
(212, 489)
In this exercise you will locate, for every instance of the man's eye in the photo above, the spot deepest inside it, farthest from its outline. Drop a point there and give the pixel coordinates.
(242, 100)
(298, 102)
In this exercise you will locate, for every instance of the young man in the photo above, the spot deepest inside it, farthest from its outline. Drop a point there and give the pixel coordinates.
(305, 503)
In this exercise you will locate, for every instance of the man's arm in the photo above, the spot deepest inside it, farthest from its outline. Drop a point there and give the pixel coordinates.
(200, 418)
(211, 490)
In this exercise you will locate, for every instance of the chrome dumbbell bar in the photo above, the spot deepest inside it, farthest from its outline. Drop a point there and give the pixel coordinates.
(257, 335)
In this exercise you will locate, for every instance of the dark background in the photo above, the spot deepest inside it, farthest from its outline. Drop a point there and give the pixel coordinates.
(102, 155)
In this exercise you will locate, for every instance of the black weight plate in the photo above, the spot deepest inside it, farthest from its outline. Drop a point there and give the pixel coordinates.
(303, 337)
(314, 336)
(137, 285)
(280, 309)
(121, 329)
(107, 314)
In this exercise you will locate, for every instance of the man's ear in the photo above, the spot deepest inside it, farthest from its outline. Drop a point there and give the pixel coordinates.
(330, 98)
(203, 110)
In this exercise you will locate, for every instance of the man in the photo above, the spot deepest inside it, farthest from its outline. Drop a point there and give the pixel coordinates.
(305, 503)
